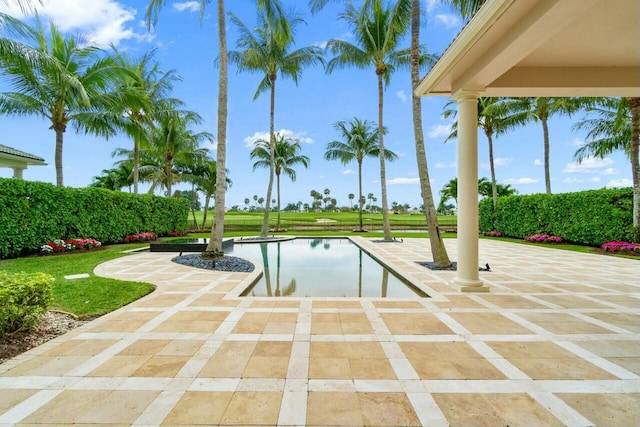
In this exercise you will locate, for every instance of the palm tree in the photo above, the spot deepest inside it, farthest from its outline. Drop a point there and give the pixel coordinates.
(449, 191)
(616, 126)
(24, 5)
(115, 178)
(438, 250)
(359, 140)
(246, 202)
(378, 31)
(351, 196)
(527, 110)
(203, 175)
(485, 189)
(62, 79)
(266, 51)
(286, 156)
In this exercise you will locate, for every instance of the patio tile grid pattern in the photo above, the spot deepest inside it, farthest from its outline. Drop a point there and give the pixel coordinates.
(555, 342)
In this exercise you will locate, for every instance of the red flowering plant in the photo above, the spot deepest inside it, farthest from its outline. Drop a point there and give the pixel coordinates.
(618, 246)
(493, 233)
(544, 238)
(68, 245)
(140, 237)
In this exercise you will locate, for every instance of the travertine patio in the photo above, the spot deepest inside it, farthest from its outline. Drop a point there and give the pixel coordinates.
(555, 342)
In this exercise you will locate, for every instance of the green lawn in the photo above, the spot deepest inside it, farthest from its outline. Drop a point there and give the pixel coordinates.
(92, 296)
(343, 219)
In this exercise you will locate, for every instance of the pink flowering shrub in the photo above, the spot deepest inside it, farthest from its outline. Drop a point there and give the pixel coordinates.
(68, 245)
(140, 237)
(493, 233)
(176, 233)
(616, 246)
(543, 238)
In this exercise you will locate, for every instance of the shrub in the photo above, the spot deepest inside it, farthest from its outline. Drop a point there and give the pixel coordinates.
(543, 238)
(140, 237)
(24, 298)
(69, 245)
(620, 247)
(586, 217)
(493, 233)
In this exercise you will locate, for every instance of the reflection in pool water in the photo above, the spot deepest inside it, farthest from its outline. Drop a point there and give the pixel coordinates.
(319, 268)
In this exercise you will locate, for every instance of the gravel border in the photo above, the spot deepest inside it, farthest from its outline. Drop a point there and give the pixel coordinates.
(228, 263)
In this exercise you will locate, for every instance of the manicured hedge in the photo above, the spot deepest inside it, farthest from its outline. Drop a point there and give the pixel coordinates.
(587, 217)
(33, 213)
(24, 298)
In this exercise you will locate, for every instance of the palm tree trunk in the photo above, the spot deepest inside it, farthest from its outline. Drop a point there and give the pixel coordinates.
(545, 132)
(207, 199)
(492, 166)
(278, 190)
(386, 228)
(439, 252)
(272, 149)
(59, 135)
(634, 107)
(214, 248)
(167, 173)
(136, 163)
(360, 193)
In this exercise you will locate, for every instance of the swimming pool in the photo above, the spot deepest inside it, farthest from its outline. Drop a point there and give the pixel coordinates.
(319, 268)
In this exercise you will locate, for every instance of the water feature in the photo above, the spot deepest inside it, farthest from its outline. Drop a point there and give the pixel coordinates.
(319, 268)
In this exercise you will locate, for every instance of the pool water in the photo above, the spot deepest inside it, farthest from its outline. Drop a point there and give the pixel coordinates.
(319, 268)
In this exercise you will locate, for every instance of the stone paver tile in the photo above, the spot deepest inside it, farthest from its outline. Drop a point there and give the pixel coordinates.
(119, 366)
(571, 301)
(350, 317)
(79, 348)
(326, 328)
(414, 324)
(628, 321)
(229, 361)
(387, 409)
(144, 348)
(520, 409)
(631, 364)
(161, 367)
(562, 323)
(371, 369)
(319, 349)
(467, 409)
(10, 399)
(273, 348)
(398, 304)
(161, 300)
(356, 328)
(280, 328)
(46, 366)
(613, 409)
(122, 324)
(623, 300)
(248, 327)
(333, 409)
(283, 317)
(458, 301)
(325, 318)
(511, 301)
(204, 326)
(68, 407)
(253, 408)
(208, 300)
(363, 350)
(181, 348)
(200, 315)
(488, 323)
(199, 407)
(226, 286)
(266, 367)
(330, 368)
(119, 407)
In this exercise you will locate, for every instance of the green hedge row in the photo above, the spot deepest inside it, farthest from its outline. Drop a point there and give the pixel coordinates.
(24, 298)
(587, 217)
(34, 213)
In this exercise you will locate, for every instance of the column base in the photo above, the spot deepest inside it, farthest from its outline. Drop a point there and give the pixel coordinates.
(470, 285)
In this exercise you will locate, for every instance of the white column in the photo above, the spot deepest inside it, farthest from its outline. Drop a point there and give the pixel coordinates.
(17, 172)
(467, 277)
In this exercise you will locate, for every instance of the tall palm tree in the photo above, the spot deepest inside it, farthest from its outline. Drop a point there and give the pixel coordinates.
(438, 250)
(115, 178)
(359, 140)
(615, 127)
(62, 79)
(526, 110)
(149, 87)
(450, 191)
(203, 175)
(266, 50)
(378, 31)
(285, 157)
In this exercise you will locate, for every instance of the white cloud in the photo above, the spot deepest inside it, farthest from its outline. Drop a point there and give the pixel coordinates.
(588, 165)
(449, 20)
(190, 6)
(610, 171)
(403, 181)
(438, 131)
(250, 141)
(348, 172)
(502, 161)
(578, 142)
(441, 165)
(402, 95)
(321, 45)
(595, 179)
(101, 21)
(431, 5)
(620, 183)
(521, 181)
(537, 162)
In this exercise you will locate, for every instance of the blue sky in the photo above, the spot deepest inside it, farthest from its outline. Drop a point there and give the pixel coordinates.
(307, 111)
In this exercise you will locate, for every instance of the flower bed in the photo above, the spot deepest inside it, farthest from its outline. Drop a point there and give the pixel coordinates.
(544, 238)
(140, 237)
(624, 247)
(68, 245)
(493, 233)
